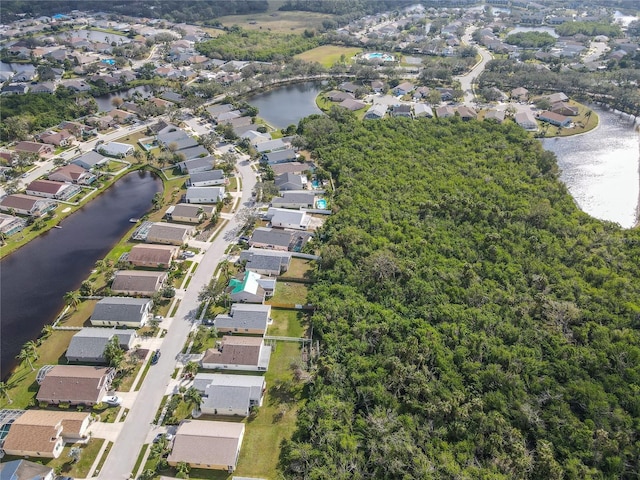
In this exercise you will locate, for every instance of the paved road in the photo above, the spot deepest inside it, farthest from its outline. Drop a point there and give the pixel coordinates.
(137, 427)
(466, 81)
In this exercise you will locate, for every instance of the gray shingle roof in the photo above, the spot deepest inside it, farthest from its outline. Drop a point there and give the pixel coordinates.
(90, 342)
(272, 237)
(245, 316)
(257, 260)
(119, 309)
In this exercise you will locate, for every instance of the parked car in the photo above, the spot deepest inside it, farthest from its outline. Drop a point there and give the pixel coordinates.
(159, 436)
(112, 400)
(244, 239)
(155, 357)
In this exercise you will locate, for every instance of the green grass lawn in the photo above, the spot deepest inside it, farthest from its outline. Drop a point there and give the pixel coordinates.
(286, 323)
(289, 292)
(328, 55)
(299, 268)
(233, 184)
(277, 21)
(78, 317)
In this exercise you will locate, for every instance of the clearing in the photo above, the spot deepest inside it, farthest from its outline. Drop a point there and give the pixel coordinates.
(328, 55)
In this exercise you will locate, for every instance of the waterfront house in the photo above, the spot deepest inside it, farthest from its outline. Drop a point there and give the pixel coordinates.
(238, 353)
(26, 205)
(563, 108)
(207, 444)
(269, 238)
(205, 194)
(188, 213)
(87, 346)
(244, 318)
(526, 121)
(271, 145)
(224, 394)
(121, 311)
(50, 189)
(43, 434)
(209, 178)
(295, 200)
(168, 234)
(10, 224)
(196, 165)
(554, 119)
(72, 174)
(352, 104)
(152, 256)
(73, 384)
(265, 262)
(138, 283)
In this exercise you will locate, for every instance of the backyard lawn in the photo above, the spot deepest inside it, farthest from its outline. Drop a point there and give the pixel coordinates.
(328, 55)
(286, 323)
(290, 293)
(299, 268)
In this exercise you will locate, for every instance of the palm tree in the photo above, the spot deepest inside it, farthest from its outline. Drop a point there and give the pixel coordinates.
(192, 397)
(183, 469)
(72, 299)
(4, 391)
(191, 368)
(28, 355)
(32, 345)
(587, 115)
(46, 331)
(74, 453)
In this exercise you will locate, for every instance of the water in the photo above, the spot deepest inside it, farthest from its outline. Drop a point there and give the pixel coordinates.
(623, 19)
(34, 279)
(104, 101)
(289, 104)
(600, 168)
(548, 30)
(322, 203)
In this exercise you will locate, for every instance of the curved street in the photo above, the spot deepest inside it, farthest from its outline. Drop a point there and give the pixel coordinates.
(466, 80)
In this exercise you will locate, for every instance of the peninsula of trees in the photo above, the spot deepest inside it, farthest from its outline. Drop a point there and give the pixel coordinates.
(474, 322)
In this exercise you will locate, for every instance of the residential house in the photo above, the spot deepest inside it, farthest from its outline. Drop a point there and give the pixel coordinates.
(10, 225)
(403, 110)
(445, 111)
(89, 343)
(188, 213)
(271, 145)
(205, 195)
(43, 434)
(197, 165)
(270, 238)
(280, 156)
(209, 178)
(294, 200)
(290, 181)
(421, 92)
(168, 234)
(467, 113)
(152, 256)
(446, 94)
(234, 395)
(138, 283)
(207, 444)
(77, 85)
(72, 174)
(116, 149)
(25, 470)
(41, 149)
(554, 119)
(49, 189)
(284, 218)
(255, 138)
(238, 353)
(250, 288)
(495, 115)
(291, 167)
(26, 205)
(403, 88)
(244, 318)
(176, 140)
(73, 384)
(216, 110)
(15, 89)
(557, 97)
(336, 96)
(349, 87)
(376, 112)
(526, 120)
(121, 311)
(377, 86)
(90, 160)
(422, 110)
(121, 116)
(265, 262)
(520, 94)
(563, 108)
(63, 138)
(351, 104)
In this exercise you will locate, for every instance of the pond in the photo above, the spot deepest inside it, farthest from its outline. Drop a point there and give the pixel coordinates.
(104, 101)
(287, 105)
(36, 277)
(600, 168)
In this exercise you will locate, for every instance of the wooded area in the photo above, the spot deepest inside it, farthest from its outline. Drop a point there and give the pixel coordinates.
(473, 322)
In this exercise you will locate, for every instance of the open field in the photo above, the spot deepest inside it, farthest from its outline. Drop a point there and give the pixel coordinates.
(275, 21)
(327, 55)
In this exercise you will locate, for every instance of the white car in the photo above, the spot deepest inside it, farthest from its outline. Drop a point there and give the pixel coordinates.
(112, 400)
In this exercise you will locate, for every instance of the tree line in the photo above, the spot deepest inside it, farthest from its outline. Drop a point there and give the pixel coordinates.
(474, 323)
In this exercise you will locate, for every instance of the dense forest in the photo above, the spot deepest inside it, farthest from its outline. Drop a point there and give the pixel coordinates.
(173, 10)
(255, 45)
(530, 39)
(611, 30)
(474, 323)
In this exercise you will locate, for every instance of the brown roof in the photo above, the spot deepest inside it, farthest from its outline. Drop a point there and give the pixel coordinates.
(72, 171)
(137, 281)
(289, 167)
(235, 351)
(32, 147)
(553, 116)
(19, 201)
(207, 442)
(152, 254)
(167, 231)
(187, 210)
(46, 186)
(75, 383)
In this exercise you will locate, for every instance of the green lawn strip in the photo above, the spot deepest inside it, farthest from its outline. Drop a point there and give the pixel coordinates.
(289, 292)
(175, 308)
(103, 459)
(286, 323)
(141, 455)
(328, 55)
(144, 374)
(130, 373)
(232, 185)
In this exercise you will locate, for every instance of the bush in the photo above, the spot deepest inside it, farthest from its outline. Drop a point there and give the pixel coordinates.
(64, 405)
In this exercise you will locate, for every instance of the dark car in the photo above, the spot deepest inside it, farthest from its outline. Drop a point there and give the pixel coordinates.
(155, 357)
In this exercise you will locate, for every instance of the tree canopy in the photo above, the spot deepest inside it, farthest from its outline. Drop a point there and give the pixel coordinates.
(530, 39)
(474, 323)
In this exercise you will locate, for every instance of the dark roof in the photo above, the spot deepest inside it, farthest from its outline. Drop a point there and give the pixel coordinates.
(119, 309)
(272, 237)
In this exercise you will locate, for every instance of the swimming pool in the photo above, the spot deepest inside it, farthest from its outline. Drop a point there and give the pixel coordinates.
(378, 56)
(322, 204)
(109, 61)
(315, 183)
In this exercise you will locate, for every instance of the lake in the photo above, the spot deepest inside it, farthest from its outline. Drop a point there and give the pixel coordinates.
(600, 168)
(287, 105)
(35, 278)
